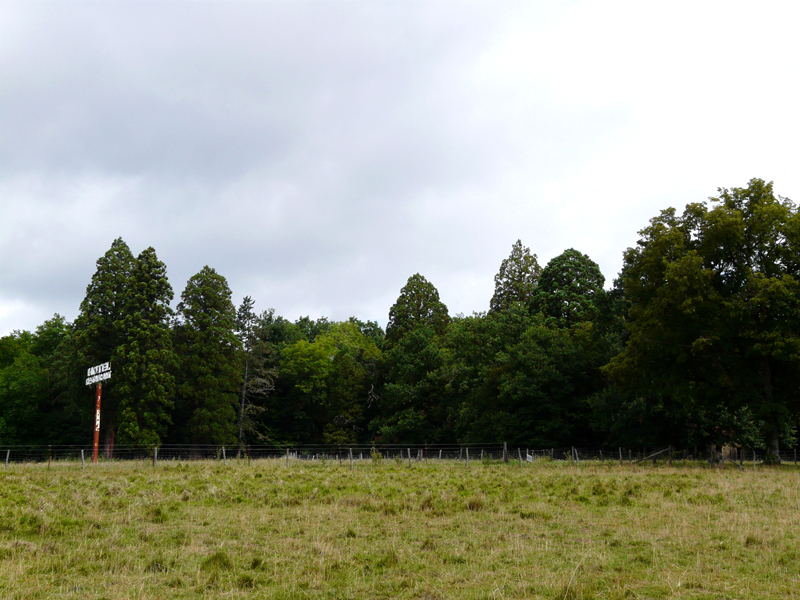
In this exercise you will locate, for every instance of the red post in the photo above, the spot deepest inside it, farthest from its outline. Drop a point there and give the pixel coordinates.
(97, 422)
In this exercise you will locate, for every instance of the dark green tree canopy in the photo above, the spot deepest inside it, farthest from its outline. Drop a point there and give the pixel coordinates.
(101, 326)
(145, 360)
(211, 375)
(568, 288)
(517, 278)
(714, 310)
(101, 323)
(418, 304)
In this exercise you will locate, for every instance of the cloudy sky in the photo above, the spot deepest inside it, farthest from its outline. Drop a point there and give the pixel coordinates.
(317, 154)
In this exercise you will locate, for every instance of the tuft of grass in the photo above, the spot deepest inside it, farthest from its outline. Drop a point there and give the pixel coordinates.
(475, 504)
(219, 561)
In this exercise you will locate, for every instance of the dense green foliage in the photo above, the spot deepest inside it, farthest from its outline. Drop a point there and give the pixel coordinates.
(697, 342)
(209, 377)
(145, 360)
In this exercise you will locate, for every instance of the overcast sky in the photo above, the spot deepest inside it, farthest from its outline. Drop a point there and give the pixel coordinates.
(317, 154)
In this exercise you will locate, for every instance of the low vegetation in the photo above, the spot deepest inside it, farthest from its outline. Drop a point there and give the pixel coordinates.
(387, 530)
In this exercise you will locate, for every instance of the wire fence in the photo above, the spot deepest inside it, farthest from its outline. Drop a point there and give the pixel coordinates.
(410, 453)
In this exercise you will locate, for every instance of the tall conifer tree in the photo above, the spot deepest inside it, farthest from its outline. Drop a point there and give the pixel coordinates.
(145, 360)
(211, 375)
(100, 326)
(517, 278)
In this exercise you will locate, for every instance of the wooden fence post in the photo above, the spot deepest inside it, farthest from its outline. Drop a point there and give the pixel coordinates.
(351, 458)
(224, 458)
(467, 456)
(505, 452)
(83, 461)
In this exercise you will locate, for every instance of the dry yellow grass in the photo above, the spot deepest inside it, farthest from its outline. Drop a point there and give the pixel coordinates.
(316, 530)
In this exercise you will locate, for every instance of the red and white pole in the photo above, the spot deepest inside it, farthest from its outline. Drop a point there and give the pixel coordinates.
(97, 422)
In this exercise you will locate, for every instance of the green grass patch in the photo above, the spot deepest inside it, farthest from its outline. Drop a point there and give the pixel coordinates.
(439, 530)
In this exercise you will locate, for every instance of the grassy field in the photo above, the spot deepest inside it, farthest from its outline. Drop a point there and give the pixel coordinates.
(384, 530)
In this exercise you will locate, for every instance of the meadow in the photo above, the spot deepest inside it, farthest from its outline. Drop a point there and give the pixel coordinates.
(551, 530)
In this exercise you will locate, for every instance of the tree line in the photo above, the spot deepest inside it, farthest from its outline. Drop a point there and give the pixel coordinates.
(696, 342)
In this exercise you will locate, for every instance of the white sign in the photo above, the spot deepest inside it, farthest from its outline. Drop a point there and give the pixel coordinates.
(98, 373)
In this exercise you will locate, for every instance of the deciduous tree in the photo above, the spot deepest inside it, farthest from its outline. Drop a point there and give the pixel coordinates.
(714, 322)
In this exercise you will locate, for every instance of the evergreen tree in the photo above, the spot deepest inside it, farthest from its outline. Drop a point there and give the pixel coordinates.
(259, 372)
(145, 360)
(211, 375)
(517, 278)
(418, 304)
(100, 328)
(568, 288)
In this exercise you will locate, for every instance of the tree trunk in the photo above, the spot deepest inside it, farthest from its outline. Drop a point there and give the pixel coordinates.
(109, 443)
(244, 390)
(773, 436)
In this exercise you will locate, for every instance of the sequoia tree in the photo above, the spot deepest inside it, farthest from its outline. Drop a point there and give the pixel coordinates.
(100, 328)
(145, 360)
(418, 304)
(568, 288)
(517, 278)
(211, 377)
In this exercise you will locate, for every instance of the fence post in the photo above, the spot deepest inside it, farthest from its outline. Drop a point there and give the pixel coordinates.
(467, 456)
(351, 458)
(440, 455)
(519, 455)
(155, 455)
(505, 452)
(629, 455)
(8, 453)
(49, 455)
(409, 457)
(224, 458)
(287, 456)
(620, 456)
(83, 462)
